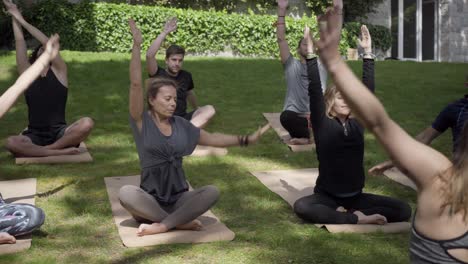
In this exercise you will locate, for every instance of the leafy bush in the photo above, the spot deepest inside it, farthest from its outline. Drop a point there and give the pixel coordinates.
(91, 26)
(381, 36)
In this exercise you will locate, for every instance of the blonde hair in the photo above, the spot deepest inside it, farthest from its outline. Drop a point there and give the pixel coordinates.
(455, 192)
(329, 98)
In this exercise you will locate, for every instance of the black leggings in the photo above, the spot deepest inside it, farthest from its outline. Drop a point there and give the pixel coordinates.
(20, 219)
(321, 208)
(296, 125)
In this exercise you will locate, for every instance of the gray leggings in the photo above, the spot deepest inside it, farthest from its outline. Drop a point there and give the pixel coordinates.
(144, 208)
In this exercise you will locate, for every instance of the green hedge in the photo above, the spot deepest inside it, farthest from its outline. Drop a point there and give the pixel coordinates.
(381, 36)
(103, 27)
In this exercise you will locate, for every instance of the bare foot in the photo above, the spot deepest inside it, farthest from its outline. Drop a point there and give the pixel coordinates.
(195, 225)
(6, 238)
(69, 151)
(341, 209)
(154, 228)
(374, 219)
(299, 141)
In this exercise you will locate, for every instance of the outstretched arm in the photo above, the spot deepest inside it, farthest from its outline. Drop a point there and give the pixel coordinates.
(223, 140)
(281, 31)
(421, 162)
(192, 99)
(151, 62)
(24, 81)
(136, 88)
(58, 64)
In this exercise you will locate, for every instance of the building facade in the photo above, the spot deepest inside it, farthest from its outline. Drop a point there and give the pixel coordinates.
(426, 30)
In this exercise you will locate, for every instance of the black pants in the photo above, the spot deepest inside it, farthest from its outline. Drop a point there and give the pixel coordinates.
(321, 208)
(296, 125)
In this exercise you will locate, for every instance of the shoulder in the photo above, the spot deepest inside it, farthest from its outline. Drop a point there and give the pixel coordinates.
(185, 74)
(161, 72)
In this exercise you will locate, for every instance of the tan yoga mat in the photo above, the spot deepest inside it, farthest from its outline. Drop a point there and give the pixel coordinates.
(294, 184)
(213, 229)
(82, 157)
(18, 191)
(204, 151)
(398, 176)
(274, 121)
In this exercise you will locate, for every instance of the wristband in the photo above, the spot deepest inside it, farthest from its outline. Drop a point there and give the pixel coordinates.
(311, 55)
(372, 55)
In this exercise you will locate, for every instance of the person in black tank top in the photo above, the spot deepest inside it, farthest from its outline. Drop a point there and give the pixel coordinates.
(47, 133)
(174, 60)
(339, 139)
(20, 219)
(440, 224)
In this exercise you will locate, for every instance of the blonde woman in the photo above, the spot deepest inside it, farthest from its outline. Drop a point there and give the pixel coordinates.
(338, 197)
(440, 228)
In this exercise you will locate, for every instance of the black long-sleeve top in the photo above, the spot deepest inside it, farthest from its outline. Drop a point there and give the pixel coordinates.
(339, 146)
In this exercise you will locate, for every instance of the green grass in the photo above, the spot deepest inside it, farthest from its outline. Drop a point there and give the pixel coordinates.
(79, 227)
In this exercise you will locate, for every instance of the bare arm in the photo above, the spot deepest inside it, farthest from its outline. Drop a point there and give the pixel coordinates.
(425, 137)
(192, 99)
(281, 31)
(24, 81)
(22, 62)
(422, 162)
(136, 89)
(151, 62)
(223, 140)
(58, 64)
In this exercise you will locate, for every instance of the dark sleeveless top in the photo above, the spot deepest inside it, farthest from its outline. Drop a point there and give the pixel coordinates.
(46, 99)
(427, 250)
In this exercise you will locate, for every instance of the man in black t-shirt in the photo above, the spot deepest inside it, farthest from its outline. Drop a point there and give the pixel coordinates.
(454, 116)
(174, 60)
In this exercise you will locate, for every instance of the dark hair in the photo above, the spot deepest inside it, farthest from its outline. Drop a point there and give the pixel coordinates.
(173, 50)
(154, 84)
(299, 44)
(34, 54)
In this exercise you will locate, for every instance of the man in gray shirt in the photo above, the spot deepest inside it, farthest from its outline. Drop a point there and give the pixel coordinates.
(294, 117)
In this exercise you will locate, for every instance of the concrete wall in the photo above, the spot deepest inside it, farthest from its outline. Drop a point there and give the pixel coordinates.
(453, 26)
(382, 16)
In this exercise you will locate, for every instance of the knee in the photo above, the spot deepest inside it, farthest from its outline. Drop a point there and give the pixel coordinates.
(300, 208)
(284, 117)
(126, 194)
(12, 143)
(212, 192)
(210, 111)
(307, 212)
(86, 125)
(405, 212)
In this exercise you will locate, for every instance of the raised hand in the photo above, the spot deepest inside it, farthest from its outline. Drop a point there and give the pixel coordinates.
(308, 39)
(53, 46)
(338, 4)
(330, 33)
(365, 42)
(12, 9)
(253, 138)
(136, 33)
(282, 4)
(171, 25)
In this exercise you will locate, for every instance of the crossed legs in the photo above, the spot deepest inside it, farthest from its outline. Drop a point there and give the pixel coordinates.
(22, 146)
(159, 219)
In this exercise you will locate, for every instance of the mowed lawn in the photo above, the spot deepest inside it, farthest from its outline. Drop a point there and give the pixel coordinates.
(79, 227)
